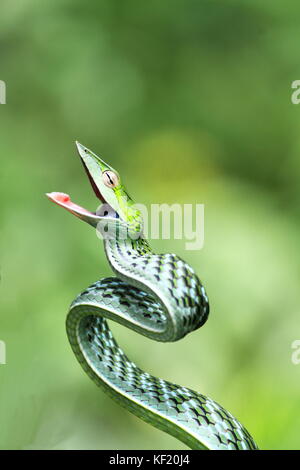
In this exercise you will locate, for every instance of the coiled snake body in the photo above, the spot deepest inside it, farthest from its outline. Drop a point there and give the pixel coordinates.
(158, 296)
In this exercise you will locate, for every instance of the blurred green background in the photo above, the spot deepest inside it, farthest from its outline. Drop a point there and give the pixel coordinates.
(191, 102)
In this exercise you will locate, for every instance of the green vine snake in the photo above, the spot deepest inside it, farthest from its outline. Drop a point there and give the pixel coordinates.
(158, 296)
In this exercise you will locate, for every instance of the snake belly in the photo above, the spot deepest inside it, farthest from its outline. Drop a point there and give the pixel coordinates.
(160, 297)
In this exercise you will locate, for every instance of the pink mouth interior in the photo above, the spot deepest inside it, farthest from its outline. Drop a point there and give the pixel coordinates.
(64, 200)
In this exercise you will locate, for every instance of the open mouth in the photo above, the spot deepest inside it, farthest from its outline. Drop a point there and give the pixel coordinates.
(93, 171)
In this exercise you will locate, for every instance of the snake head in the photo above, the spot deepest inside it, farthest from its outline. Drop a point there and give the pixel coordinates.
(117, 209)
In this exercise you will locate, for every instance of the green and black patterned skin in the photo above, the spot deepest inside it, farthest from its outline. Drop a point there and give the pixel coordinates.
(160, 297)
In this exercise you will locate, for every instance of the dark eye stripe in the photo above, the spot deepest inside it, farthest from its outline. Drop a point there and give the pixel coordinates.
(110, 179)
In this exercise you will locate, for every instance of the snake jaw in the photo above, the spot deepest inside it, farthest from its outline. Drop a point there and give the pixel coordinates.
(64, 200)
(104, 213)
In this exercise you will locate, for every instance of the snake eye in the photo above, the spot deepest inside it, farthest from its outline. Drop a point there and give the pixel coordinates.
(110, 179)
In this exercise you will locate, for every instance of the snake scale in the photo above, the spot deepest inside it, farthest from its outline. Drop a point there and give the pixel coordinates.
(158, 296)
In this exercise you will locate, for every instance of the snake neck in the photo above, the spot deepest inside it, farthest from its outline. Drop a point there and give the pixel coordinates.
(127, 254)
(170, 280)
